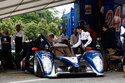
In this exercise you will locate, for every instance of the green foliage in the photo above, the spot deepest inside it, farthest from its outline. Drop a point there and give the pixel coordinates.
(7, 24)
(34, 23)
(53, 28)
(31, 31)
(27, 18)
(43, 27)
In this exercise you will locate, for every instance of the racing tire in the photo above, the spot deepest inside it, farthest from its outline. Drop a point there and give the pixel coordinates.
(37, 68)
(99, 75)
(22, 65)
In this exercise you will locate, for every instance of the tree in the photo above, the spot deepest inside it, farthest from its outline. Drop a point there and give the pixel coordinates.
(7, 24)
(43, 27)
(27, 18)
(53, 28)
(31, 31)
(34, 23)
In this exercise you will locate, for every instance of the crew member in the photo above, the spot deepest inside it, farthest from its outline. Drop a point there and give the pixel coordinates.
(84, 38)
(63, 38)
(6, 46)
(19, 37)
(73, 40)
(41, 43)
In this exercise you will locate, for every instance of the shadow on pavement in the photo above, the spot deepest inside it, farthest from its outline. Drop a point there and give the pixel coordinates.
(63, 76)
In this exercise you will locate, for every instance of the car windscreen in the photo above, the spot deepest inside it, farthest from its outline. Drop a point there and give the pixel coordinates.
(62, 51)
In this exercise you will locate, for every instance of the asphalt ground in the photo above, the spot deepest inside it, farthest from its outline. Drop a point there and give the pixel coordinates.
(19, 76)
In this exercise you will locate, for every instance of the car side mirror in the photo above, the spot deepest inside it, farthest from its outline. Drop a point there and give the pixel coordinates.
(34, 49)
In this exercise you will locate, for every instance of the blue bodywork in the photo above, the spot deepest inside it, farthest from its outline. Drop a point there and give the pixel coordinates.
(39, 55)
(90, 55)
(68, 61)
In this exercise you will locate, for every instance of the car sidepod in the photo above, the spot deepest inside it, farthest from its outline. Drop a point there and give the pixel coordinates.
(95, 60)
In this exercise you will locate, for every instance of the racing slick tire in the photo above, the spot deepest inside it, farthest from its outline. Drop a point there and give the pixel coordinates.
(22, 64)
(37, 69)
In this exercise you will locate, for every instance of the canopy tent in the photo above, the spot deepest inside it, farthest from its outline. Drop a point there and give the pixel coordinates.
(14, 7)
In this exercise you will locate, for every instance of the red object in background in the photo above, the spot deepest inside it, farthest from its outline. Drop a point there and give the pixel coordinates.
(88, 48)
(93, 35)
(34, 49)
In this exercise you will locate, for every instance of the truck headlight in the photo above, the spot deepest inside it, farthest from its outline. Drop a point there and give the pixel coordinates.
(47, 64)
(98, 63)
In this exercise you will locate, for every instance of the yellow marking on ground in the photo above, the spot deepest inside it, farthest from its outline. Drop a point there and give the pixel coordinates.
(116, 73)
(2, 76)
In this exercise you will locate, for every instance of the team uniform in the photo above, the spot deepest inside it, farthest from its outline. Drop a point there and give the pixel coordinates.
(6, 51)
(19, 39)
(84, 39)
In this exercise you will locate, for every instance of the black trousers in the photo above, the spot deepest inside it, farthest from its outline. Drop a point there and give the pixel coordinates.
(25, 53)
(1, 55)
(19, 48)
(6, 56)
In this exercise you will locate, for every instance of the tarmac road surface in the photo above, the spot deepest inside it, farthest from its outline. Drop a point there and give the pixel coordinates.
(18, 76)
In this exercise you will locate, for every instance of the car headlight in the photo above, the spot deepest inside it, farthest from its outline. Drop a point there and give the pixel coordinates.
(47, 64)
(98, 63)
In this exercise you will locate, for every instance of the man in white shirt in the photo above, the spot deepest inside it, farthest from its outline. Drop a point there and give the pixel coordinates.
(84, 38)
(19, 37)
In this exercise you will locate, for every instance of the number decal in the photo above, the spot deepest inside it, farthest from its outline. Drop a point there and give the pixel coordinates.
(117, 20)
(109, 17)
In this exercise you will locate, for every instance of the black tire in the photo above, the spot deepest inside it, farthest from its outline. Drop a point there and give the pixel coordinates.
(21, 66)
(37, 69)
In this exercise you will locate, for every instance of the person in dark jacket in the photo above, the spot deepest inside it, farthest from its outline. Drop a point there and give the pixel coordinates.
(108, 38)
(108, 42)
(41, 43)
(6, 47)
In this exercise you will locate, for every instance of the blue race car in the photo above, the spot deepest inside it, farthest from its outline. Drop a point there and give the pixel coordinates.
(61, 60)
